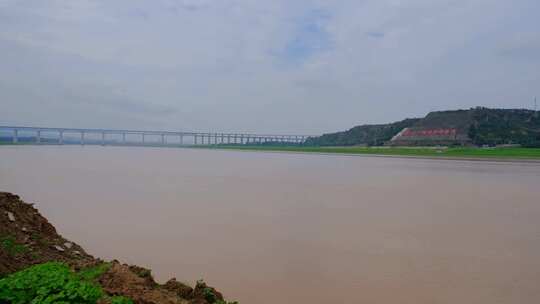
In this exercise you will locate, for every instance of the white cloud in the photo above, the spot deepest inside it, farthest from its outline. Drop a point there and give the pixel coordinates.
(226, 65)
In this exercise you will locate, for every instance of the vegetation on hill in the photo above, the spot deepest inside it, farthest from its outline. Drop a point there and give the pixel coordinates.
(457, 119)
(371, 135)
(502, 126)
(55, 282)
(484, 127)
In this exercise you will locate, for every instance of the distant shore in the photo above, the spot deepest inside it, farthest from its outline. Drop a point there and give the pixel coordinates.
(510, 154)
(496, 154)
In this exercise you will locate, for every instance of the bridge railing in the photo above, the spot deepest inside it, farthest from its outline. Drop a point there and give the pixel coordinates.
(139, 137)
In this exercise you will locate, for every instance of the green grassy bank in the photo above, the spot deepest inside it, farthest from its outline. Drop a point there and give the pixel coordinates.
(461, 152)
(507, 153)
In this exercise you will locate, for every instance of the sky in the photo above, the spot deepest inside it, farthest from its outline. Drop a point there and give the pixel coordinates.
(280, 66)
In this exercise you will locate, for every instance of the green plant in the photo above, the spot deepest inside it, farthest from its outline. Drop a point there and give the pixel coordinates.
(209, 295)
(121, 300)
(10, 245)
(38, 238)
(145, 273)
(35, 236)
(46, 284)
(94, 272)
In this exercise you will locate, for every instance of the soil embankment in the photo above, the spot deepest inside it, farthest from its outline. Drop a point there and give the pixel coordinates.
(27, 238)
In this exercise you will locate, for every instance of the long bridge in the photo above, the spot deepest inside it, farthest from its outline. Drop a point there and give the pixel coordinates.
(60, 136)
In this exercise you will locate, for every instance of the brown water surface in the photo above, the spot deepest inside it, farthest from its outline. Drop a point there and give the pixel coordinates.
(294, 228)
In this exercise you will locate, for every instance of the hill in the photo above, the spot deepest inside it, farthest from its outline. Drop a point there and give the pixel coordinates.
(502, 126)
(476, 126)
(371, 135)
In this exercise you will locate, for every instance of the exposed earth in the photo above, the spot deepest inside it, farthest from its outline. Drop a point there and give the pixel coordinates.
(27, 238)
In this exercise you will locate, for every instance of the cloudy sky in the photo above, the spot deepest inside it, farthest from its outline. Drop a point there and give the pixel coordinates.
(280, 66)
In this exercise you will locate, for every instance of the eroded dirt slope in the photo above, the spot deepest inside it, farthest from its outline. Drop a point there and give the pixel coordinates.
(27, 238)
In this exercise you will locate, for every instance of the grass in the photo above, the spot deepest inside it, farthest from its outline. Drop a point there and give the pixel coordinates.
(457, 152)
(92, 273)
(452, 152)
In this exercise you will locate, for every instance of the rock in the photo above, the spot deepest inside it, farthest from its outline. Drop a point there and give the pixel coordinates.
(141, 272)
(180, 289)
(119, 279)
(59, 248)
(10, 216)
(205, 292)
(68, 245)
(77, 252)
(24, 229)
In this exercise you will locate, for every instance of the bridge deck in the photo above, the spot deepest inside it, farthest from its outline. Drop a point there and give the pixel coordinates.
(65, 136)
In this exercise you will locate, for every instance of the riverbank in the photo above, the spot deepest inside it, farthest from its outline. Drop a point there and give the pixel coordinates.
(504, 154)
(38, 263)
(491, 154)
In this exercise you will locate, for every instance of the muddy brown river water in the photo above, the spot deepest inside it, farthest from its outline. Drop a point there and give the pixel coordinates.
(296, 228)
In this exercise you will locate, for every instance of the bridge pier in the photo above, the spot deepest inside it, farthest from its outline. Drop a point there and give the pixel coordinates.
(15, 136)
(103, 138)
(162, 139)
(82, 138)
(38, 136)
(181, 139)
(123, 138)
(61, 137)
(195, 139)
(143, 139)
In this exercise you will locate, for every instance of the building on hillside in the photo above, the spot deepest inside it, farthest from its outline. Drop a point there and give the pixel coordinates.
(421, 136)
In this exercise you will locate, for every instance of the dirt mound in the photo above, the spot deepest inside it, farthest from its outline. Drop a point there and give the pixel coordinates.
(27, 238)
(120, 280)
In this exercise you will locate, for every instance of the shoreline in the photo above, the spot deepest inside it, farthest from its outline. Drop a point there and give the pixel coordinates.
(295, 150)
(31, 247)
(428, 157)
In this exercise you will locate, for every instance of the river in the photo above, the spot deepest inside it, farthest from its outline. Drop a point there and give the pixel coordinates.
(296, 228)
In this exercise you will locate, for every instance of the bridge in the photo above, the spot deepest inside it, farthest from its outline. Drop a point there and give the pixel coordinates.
(61, 136)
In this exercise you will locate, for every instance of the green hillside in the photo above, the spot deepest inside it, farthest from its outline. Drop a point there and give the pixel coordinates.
(483, 126)
(502, 126)
(371, 135)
